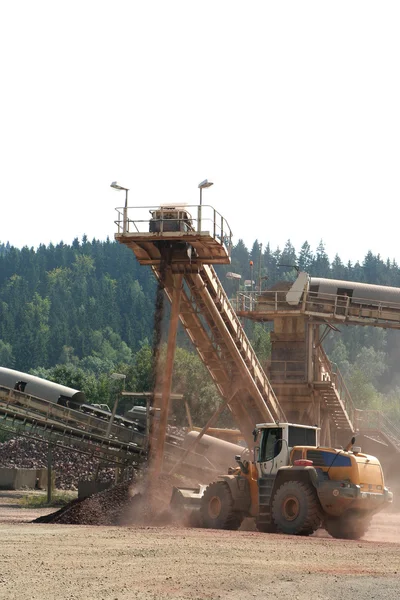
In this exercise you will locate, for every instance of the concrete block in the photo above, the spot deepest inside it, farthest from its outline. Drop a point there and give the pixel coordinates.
(17, 479)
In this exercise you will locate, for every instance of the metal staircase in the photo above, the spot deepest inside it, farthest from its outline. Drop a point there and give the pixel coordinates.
(334, 393)
(222, 344)
(338, 401)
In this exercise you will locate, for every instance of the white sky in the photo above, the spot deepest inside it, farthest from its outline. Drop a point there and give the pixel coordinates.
(292, 109)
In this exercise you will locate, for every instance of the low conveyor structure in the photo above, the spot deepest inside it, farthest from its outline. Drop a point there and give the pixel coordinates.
(73, 430)
(45, 421)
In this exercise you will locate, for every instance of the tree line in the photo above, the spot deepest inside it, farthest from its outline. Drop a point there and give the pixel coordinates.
(77, 312)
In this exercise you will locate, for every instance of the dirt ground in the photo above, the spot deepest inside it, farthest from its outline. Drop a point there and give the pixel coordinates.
(69, 562)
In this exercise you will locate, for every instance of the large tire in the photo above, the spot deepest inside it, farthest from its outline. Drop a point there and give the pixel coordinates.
(347, 527)
(295, 509)
(266, 527)
(216, 508)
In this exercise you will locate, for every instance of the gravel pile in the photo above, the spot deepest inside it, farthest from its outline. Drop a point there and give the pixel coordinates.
(104, 508)
(125, 504)
(69, 467)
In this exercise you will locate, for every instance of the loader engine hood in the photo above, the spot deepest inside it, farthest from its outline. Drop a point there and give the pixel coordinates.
(359, 469)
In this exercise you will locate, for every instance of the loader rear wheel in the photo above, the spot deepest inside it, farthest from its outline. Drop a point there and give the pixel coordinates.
(295, 509)
(347, 527)
(217, 508)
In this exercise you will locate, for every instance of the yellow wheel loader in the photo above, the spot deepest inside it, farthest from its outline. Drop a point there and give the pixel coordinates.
(292, 486)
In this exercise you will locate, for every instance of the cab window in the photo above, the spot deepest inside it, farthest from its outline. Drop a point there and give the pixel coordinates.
(301, 436)
(271, 444)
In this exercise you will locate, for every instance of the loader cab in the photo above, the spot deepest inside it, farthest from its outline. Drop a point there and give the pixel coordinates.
(276, 441)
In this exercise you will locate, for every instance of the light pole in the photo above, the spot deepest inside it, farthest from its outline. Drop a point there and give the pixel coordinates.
(115, 377)
(202, 185)
(119, 187)
(237, 277)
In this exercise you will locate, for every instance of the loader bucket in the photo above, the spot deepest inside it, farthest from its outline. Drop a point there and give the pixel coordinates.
(185, 504)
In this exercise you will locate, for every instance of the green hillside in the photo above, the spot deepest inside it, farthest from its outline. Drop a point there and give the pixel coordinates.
(76, 313)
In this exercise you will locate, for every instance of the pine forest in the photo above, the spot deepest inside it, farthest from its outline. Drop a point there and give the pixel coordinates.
(77, 313)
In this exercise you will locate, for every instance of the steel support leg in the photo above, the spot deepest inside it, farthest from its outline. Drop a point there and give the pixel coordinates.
(49, 473)
(158, 456)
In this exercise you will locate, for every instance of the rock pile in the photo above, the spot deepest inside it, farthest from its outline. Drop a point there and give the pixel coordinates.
(104, 508)
(123, 504)
(69, 467)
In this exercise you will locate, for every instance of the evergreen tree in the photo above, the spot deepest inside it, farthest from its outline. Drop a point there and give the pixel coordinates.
(338, 270)
(306, 258)
(320, 266)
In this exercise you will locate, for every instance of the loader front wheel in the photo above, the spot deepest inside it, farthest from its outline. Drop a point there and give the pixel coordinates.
(295, 509)
(347, 527)
(217, 508)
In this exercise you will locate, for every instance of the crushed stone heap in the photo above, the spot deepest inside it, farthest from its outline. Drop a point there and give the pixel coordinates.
(104, 508)
(123, 504)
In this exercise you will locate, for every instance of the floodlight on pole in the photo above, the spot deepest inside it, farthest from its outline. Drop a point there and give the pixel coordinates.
(234, 276)
(201, 186)
(116, 186)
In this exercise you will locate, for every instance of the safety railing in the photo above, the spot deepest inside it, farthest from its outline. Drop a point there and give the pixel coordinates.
(242, 339)
(329, 371)
(245, 301)
(174, 218)
(268, 301)
(337, 306)
(362, 420)
(370, 420)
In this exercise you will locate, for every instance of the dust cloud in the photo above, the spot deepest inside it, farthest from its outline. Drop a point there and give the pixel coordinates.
(149, 504)
(385, 527)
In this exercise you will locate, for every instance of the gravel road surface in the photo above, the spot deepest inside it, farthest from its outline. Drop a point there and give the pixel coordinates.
(70, 562)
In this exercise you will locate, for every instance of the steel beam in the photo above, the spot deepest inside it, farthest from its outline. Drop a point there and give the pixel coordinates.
(156, 460)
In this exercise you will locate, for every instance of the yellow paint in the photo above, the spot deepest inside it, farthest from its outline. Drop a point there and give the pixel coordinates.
(252, 478)
(365, 470)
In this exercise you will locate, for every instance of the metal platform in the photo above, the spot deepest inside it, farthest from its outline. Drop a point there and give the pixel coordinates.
(150, 231)
(334, 308)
